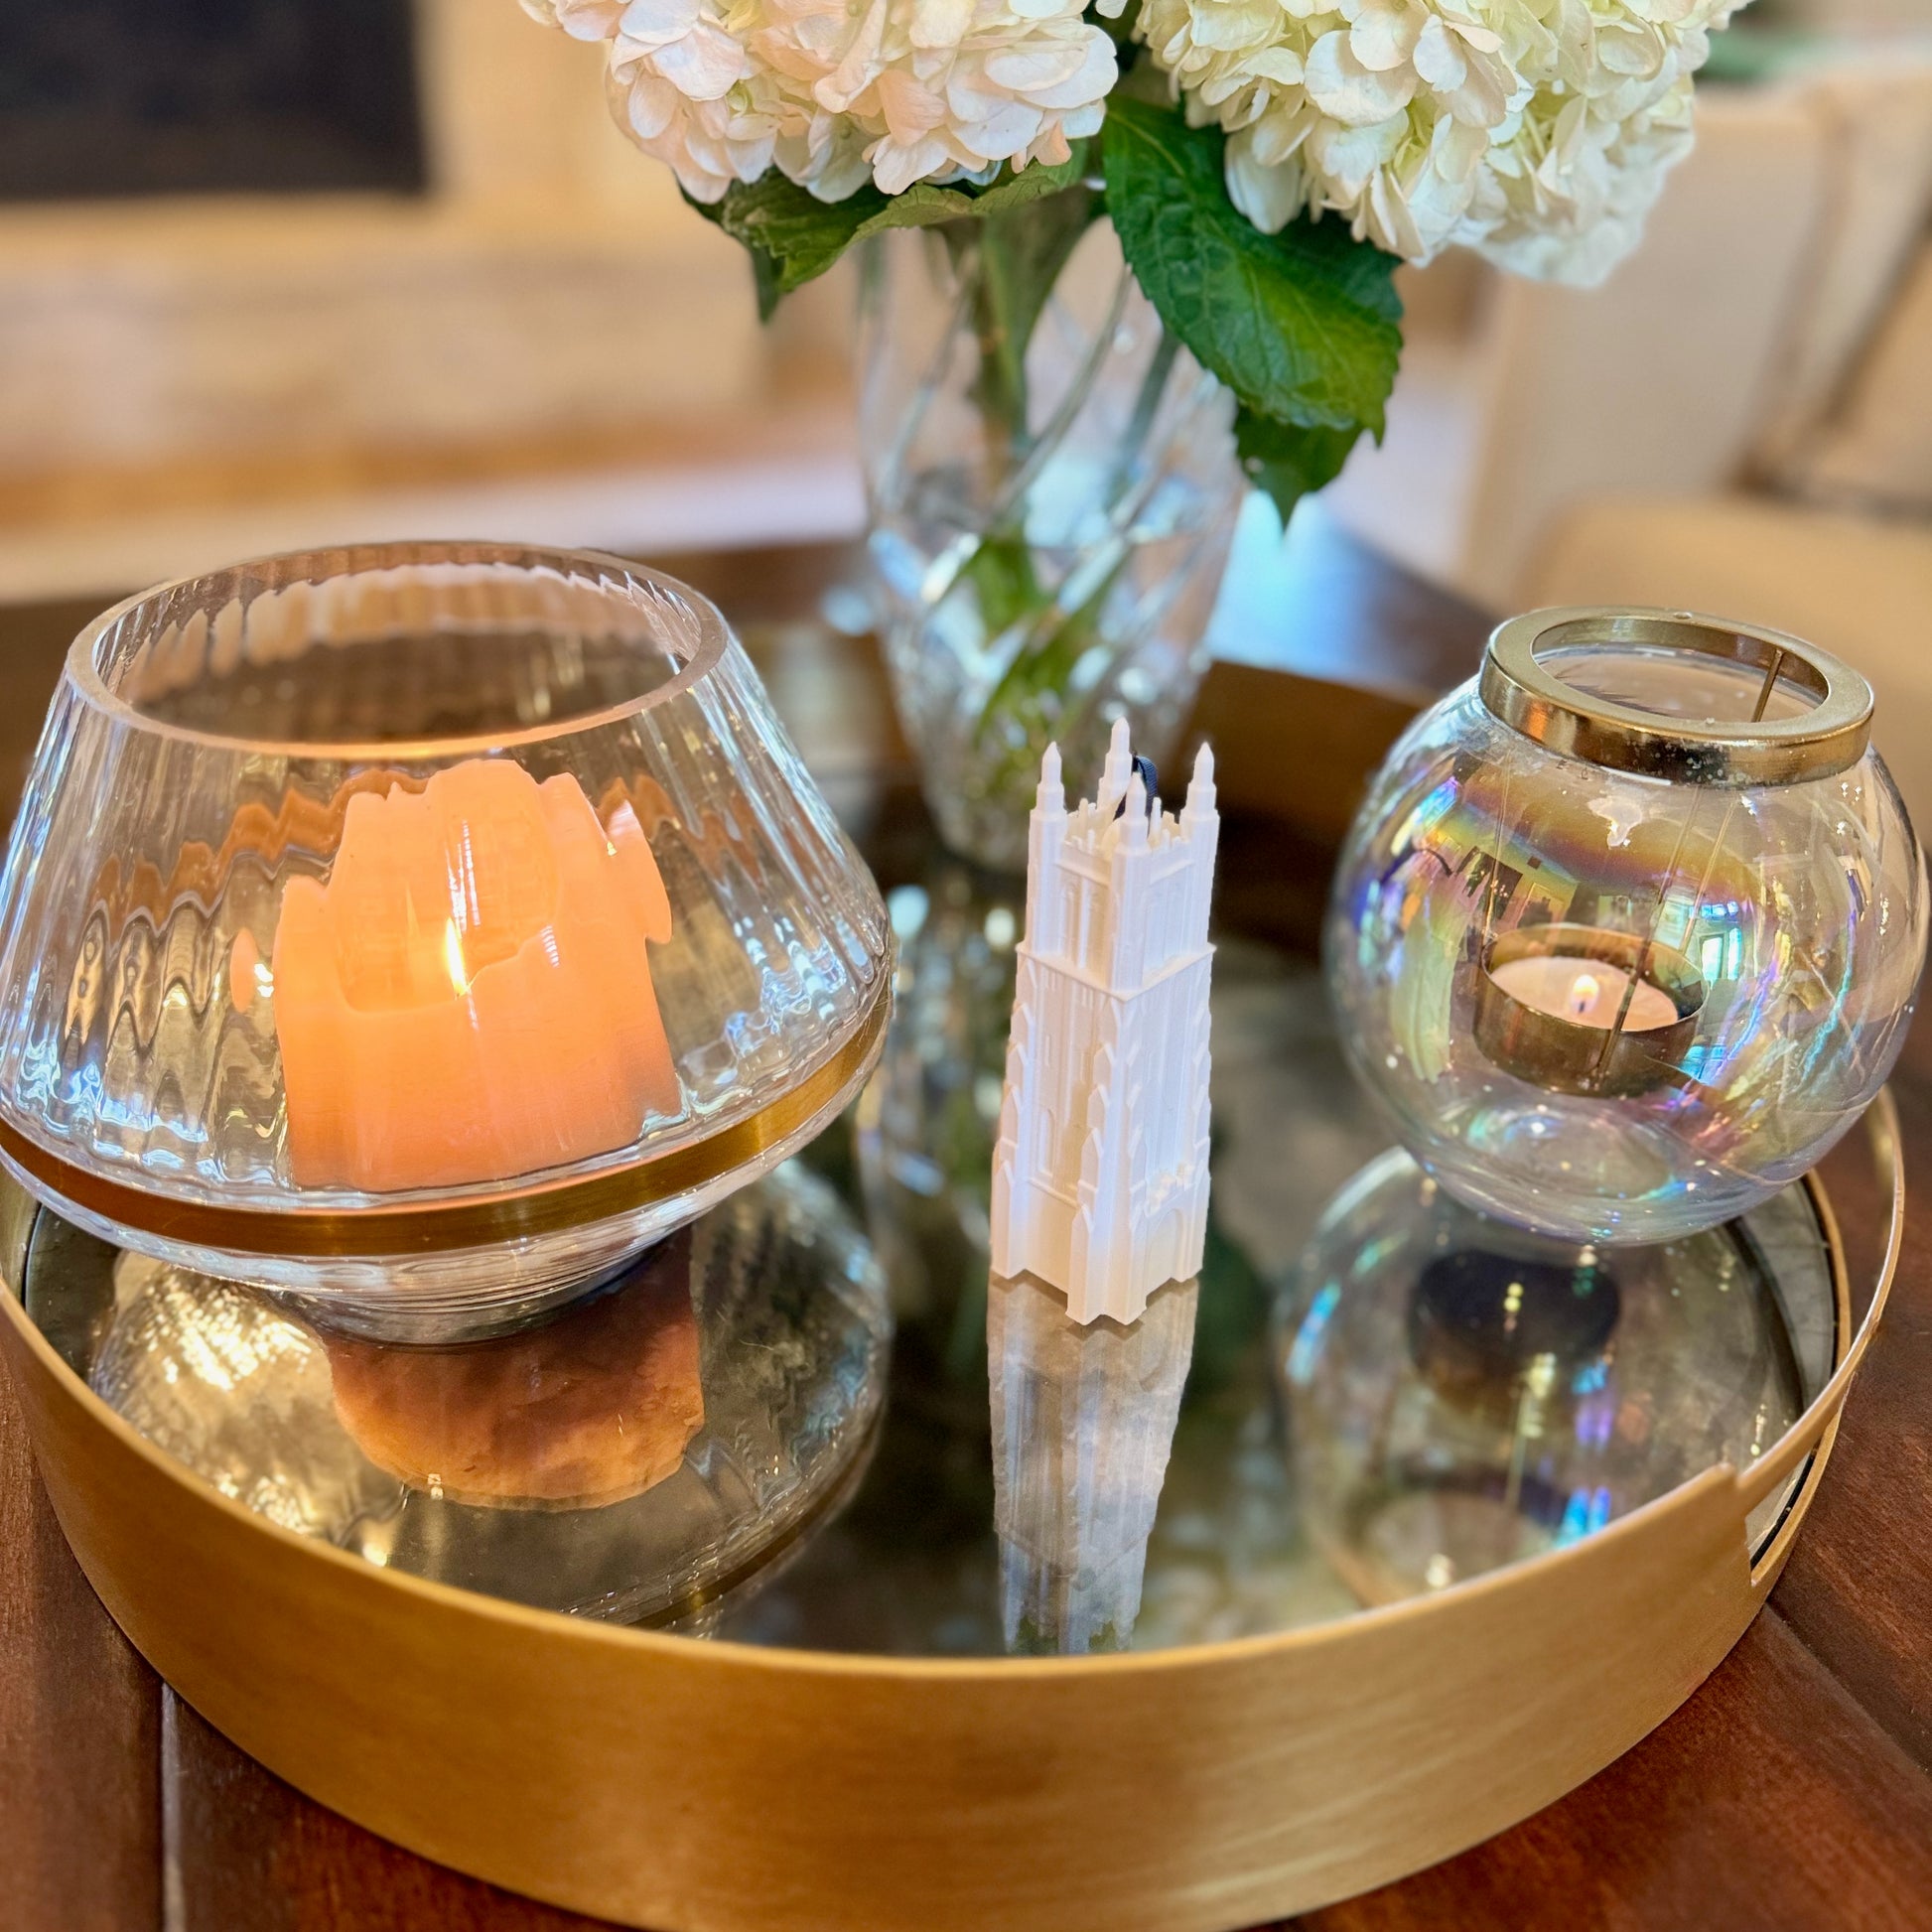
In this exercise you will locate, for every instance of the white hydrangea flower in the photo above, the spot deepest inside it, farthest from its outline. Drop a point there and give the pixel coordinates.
(833, 92)
(1536, 131)
(582, 20)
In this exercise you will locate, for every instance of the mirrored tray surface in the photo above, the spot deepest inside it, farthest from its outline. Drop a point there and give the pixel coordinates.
(1368, 1392)
(652, 1453)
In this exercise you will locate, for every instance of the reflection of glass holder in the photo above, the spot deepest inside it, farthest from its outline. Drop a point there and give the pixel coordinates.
(640, 1456)
(1573, 1056)
(1466, 1394)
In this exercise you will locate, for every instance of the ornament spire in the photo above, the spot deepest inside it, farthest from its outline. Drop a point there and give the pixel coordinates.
(1100, 1175)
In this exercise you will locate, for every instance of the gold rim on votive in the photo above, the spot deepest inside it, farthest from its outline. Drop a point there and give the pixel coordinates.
(1564, 1056)
(447, 1227)
(1519, 688)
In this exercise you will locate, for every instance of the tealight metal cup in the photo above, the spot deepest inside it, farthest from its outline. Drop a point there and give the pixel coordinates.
(1568, 1055)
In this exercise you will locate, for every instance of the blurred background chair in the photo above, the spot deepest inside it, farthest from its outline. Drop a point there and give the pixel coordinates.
(294, 272)
(1738, 421)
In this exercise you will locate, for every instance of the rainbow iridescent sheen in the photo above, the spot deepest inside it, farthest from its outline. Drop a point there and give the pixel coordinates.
(1801, 908)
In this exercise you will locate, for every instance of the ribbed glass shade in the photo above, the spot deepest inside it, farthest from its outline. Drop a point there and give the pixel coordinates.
(448, 918)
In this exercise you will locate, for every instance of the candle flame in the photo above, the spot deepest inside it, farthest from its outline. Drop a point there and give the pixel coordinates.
(453, 956)
(1583, 990)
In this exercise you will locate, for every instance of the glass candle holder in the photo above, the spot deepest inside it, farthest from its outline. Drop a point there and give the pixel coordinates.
(437, 919)
(1629, 929)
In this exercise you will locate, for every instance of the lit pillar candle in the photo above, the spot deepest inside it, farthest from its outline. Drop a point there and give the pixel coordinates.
(468, 998)
(1587, 992)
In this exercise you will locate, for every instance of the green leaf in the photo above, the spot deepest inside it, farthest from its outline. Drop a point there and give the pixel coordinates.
(1032, 184)
(764, 279)
(1288, 461)
(1303, 326)
(1001, 572)
(795, 237)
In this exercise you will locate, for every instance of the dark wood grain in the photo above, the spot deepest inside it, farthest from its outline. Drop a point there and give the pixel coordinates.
(1858, 1587)
(250, 1855)
(1324, 606)
(1792, 1792)
(1771, 1802)
(80, 1712)
(79, 1723)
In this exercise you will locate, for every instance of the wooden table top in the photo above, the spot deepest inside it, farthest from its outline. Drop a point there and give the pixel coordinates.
(1794, 1789)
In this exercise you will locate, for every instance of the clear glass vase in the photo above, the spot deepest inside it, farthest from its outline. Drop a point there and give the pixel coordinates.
(1052, 491)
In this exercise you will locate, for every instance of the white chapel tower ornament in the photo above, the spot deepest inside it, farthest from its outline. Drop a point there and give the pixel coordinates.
(1100, 1176)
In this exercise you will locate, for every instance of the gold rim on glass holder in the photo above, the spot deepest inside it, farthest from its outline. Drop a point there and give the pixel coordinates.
(451, 1226)
(1528, 695)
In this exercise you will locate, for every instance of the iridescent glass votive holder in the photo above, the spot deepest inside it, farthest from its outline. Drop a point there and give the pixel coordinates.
(421, 930)
(1629, 929)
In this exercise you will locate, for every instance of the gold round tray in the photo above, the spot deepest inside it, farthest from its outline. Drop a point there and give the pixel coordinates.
(680, 1785)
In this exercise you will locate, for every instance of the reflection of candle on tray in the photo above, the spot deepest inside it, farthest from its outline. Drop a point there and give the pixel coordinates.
(469, 996)
(598, 1405)
(1588, 992)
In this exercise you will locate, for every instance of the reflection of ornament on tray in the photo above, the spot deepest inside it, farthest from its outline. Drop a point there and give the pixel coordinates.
(1083, 1419)
(469, 996)
(593, 1407)
(1100, 1175)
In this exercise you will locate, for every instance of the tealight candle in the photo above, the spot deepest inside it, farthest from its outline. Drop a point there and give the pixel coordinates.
(1579, 1008)
(1589, 992)
(468, 997)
